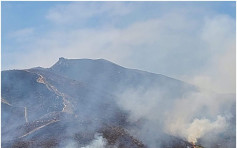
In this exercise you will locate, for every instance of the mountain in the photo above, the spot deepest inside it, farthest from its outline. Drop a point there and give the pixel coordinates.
(75, 100)
(104, 74)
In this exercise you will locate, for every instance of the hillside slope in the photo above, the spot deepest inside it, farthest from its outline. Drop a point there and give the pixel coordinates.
(76, 99)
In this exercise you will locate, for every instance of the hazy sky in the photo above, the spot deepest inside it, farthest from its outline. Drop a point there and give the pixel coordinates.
(192, 41)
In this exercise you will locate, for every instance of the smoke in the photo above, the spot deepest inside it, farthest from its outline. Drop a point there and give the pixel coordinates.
(70, 144)
(98, 142)
(201, 126)
(189, 117)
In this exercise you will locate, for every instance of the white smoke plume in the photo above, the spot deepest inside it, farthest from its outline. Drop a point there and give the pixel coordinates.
(199, 127)
(190, 117)
(98, 142)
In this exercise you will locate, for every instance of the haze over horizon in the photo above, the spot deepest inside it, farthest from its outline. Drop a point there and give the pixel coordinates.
(199, 48)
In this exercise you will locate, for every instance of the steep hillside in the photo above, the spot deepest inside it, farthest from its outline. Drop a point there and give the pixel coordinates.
(77, 102)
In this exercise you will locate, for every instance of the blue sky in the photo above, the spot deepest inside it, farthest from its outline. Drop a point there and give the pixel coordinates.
(185, 40)
(18, 15)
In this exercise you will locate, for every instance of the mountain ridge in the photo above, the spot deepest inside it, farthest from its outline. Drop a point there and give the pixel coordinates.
(62, 59)
(80, 97)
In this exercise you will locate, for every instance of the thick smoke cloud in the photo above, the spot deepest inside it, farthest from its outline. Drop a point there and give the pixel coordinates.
(190, 117)
(199, 127)
(98, 142)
